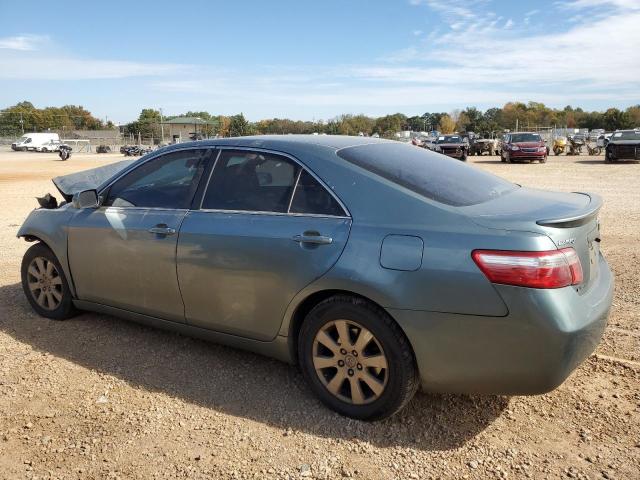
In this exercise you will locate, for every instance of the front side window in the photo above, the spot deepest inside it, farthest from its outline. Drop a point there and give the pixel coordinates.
(168, 181)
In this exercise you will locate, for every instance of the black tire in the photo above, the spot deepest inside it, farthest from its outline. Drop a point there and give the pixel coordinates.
(607, 157)
(463, 158)
(65, 308)
(544, 159)
(402, 379)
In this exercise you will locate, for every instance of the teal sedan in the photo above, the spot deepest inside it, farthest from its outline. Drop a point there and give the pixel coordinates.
(377, 267)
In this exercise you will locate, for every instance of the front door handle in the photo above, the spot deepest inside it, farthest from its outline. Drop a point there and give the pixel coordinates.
(312, 239)
(162, 229)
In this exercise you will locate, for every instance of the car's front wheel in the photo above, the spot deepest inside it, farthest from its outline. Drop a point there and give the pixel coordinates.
(45, 284)
(357, 359)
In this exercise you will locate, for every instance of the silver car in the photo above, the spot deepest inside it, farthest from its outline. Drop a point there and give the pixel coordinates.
(375, 266)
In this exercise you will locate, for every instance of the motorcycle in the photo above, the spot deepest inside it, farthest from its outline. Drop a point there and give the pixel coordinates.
(135, 151)
(64, 151)
(559, 145)
(575, 145)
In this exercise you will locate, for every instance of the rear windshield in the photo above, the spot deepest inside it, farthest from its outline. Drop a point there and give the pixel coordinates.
(429, 174)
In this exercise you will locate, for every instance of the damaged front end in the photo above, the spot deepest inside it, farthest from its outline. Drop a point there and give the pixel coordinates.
(92, 179)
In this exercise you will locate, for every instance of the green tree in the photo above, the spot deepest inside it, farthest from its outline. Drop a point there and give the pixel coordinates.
(389, 125)
(238, 126)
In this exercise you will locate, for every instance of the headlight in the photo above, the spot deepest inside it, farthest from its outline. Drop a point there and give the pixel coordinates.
(515, 147)
(542, 149)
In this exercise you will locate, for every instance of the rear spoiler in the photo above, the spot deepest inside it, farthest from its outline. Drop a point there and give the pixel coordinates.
(579, 217)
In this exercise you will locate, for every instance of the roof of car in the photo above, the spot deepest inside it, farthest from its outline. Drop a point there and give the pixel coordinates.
(278, 141)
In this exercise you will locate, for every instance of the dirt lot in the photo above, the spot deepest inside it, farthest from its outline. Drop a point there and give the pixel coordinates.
(97, 397)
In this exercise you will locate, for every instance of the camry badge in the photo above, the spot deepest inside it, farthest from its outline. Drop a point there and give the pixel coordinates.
(567, 241)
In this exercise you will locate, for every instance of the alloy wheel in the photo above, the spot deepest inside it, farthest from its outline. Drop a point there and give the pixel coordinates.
(45, 283)
(350, 362)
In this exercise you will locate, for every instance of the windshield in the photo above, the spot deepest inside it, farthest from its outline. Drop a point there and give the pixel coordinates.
(525, 137)
(626, 135)
(449, 139)
(433, 176)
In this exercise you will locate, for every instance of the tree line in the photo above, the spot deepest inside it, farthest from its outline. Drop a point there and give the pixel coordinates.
(489, 122)
(471, 119)
(25, 117)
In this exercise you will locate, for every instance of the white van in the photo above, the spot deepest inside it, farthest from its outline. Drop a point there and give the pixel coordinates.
(34, 141)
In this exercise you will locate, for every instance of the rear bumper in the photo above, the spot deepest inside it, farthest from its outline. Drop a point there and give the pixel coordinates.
(531, 350)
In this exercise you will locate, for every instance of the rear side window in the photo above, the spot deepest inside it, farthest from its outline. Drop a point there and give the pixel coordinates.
(429, 174)
(311, 197)
(251, 181)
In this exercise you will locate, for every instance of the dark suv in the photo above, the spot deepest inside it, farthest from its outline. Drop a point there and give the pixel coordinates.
(623, 145)
(524, 147)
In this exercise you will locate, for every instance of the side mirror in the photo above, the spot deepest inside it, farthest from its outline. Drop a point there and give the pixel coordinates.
(85, 199)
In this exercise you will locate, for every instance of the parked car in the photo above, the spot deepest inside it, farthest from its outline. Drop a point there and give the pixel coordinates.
(480, 146)
(603, 139)
(523, 147)
(51, 146)
(375, 265)
(452, 146)
(623, 145)
(33, 141)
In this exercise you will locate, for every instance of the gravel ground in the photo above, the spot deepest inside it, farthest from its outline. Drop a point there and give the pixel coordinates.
(98, 397)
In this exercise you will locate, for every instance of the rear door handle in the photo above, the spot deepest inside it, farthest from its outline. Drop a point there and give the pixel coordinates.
(162, 229)
(312, 239)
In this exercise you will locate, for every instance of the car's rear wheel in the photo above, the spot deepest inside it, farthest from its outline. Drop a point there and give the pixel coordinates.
(45, 284)
(356, 358)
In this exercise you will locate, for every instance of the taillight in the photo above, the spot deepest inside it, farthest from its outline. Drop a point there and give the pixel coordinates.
(550, 269)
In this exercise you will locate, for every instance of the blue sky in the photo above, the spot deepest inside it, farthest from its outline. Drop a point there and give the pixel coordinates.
(312, 60)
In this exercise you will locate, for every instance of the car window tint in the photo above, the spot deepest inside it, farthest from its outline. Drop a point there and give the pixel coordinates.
(168, 181)
(429, 174)
(311, 197)
(251, 181)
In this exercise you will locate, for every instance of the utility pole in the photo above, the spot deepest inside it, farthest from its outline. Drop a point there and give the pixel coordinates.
(21, 123)
(161, 127)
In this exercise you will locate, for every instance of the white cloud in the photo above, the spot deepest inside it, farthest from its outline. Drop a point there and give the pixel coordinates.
(609, 60)
(34, 57)
(61, 68)
(23, 42)
(618, 4)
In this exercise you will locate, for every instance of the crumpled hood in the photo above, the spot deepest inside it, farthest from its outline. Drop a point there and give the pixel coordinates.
(88, 179)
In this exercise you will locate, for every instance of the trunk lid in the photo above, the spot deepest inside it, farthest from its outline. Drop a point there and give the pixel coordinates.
(568, 219)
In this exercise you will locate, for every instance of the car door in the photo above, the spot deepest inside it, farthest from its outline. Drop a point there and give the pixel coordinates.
(266, 228)
(122, 254)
